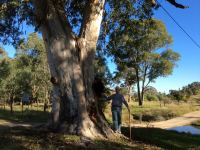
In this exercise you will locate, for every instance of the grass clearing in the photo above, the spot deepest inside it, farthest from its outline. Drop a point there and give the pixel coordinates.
(143, 138)
(27, 138)
(165, 139)
(29, 115)
(151, 111)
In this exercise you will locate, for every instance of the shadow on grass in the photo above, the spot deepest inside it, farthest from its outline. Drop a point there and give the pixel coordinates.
(164, 138)
(28, 116)
(28, 138)
(20, 138)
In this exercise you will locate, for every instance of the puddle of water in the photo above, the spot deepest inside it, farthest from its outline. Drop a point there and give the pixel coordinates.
(186, 129)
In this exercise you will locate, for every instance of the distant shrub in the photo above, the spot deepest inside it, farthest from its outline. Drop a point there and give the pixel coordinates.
(150, 97)
(156, 115)
(196, 123)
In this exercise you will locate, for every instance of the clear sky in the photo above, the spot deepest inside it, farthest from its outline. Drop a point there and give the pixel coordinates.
(188, 69)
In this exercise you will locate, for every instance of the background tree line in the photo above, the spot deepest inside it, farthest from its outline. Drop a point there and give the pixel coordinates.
(186, 92)
(27, 72)
(183, 94)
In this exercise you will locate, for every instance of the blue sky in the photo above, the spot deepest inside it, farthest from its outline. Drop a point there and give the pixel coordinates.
(188, 69)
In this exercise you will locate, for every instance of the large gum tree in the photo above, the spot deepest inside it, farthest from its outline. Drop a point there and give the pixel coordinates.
(70, 30)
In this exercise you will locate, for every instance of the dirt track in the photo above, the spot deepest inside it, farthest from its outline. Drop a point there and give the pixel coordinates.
(178, 121)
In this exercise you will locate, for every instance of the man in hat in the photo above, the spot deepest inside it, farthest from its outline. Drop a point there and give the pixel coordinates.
(117, 101)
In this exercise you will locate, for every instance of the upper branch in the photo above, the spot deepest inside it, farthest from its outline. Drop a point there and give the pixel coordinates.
(54, 8)
(92, 19)
(173, 2)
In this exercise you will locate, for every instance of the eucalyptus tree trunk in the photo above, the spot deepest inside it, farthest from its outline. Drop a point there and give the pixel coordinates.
(143, 82)
(11, 102)
(140, 100)
(46, 101)
(70, 60)
(129, 93)
(4, 104)
(34, 92)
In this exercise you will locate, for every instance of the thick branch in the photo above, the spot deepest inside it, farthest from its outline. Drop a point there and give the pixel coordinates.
(88, 37)
(173, 2)
(92, 20)
(47, 9)
(59, 8)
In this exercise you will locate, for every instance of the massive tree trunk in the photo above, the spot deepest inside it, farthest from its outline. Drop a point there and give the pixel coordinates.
(71, 61)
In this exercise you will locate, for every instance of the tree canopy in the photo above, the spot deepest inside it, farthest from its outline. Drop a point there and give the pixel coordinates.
(135, 48)
(15, 14)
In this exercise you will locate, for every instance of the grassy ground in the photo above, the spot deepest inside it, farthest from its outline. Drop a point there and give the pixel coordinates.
(143, 138)
(151, 111)
(166, 139)
(32, 139)
(29, 115)
(19, 138)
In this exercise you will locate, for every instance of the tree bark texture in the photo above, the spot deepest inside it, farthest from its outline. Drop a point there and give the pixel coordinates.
(129, 93)
(138, 88)
(70, 60)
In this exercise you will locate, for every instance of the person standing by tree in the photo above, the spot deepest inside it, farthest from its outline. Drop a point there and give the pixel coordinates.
(117, 100)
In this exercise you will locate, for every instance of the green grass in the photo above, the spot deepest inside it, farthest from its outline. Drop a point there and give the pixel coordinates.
(35, 139)
(165, 139)
(155, 106)
(25, 138)
(29, 115)
(21, 138)
(143, 138)
(151, 111)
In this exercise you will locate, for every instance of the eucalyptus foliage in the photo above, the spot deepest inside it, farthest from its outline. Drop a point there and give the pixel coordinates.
(27, 72)
(135, 48)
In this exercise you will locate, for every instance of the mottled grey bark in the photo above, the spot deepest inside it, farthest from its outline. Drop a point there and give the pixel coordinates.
(70, 60)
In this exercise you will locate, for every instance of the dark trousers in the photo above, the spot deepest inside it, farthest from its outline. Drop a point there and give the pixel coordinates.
(116, 117)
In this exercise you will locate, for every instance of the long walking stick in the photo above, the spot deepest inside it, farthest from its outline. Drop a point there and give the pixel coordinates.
(130, 124)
